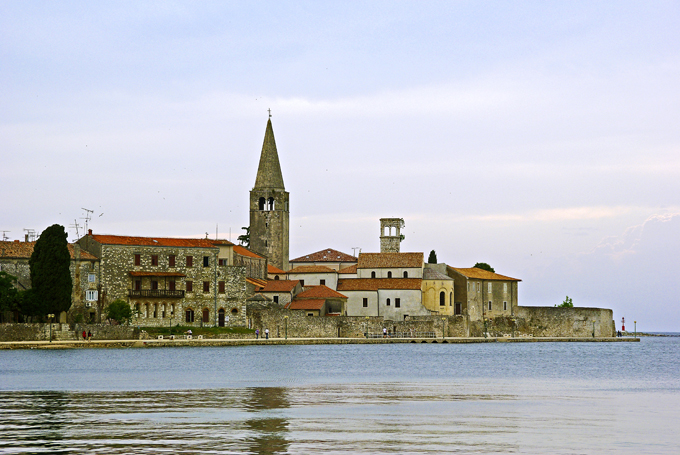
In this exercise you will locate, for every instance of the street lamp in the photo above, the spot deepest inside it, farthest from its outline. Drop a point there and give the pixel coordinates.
(635, 328)
(50, 316)
(366, 327)
(443, 327)
(285, 320)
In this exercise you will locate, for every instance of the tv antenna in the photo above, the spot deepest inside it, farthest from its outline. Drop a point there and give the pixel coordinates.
(75, 226)
(87, 217)
(30, 235)
(354, 250)
(4, 236)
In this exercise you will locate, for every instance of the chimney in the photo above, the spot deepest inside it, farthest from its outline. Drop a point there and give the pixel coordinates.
(89, 232)
(26, 238)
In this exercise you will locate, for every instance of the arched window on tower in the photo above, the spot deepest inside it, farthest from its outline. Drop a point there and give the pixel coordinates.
(405, 274)
(442, 298)
(261, 203)
(270, 204)
(389, 274)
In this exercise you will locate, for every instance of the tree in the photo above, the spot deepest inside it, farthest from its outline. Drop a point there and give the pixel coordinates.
(432, 259)
(50, 274)
(244, 239)
(9, 296)
(566, 304)
(119, 311)
(484, 266)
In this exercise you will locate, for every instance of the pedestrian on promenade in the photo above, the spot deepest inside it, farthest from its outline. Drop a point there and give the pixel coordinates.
(257, 334)
(384, 332)
(84, 335)
(266, 333)
(89, 336)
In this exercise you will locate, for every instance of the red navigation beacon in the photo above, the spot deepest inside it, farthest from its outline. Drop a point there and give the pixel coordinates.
(623, 324)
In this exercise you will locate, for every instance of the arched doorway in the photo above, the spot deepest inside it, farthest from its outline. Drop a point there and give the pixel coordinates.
(220, 317)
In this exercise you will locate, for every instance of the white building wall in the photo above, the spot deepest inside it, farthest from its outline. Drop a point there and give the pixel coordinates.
(397, 272)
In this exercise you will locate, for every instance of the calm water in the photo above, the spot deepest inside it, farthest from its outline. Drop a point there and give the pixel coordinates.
(569, 398)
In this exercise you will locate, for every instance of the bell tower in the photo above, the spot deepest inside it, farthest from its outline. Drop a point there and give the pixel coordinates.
(269, 212)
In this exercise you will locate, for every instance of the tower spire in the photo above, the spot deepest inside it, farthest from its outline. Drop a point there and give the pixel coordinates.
(269, 171)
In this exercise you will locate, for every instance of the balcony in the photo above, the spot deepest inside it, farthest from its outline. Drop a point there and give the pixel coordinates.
(156, 293)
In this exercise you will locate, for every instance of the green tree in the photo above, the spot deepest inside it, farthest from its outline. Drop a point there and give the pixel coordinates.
(244, 239)
(432, 259)
(9, 296)
(484, 266)
(119, 311)
(50, 275)
(566, 304)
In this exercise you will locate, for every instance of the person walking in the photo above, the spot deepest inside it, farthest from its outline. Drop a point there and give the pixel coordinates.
(384, 332)
(89, 336)
(266, 333)
(84, 335)
(257, 334)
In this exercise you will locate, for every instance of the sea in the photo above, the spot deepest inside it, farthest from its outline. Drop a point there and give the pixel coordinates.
(421, 398)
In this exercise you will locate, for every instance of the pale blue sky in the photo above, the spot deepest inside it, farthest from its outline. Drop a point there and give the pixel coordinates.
(540, 137)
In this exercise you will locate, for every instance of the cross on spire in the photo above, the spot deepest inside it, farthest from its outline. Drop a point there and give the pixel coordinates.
(270, 112)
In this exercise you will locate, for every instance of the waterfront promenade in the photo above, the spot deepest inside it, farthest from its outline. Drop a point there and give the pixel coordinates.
(196, 342)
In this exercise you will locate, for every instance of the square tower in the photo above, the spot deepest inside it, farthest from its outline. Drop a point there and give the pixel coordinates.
(390, 234)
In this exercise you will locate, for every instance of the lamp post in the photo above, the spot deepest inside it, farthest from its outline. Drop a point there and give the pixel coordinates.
(443, 327)
(366, 327)
(285, 320)
(635, 328)
(50, 316)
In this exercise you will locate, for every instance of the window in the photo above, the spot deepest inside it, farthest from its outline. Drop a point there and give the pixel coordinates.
(365, 302)
(138, 259)
(302, 283)
(505, 306)
(260, 203)
(397, 303)
(206, 286)
(372, 274)
(489, 305)
(458, 308)
(221, 287)
(91, 296)
(276, 299)
(206, 261)
(310, 314)
(442, 298)
(190, 286)
(206, 315)
(450, 298)
(189, 315)
(276, 277)
(171, 260)
(154, 285)
(389, 274)
(138, 285)
(223, 262)
(91, 277)
(322, 282)
(489, 288)
(190, 261)
(388, 302)
(172, 285)
(154, 259)
(405, 274)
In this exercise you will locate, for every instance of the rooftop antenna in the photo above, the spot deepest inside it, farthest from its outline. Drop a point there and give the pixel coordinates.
(75, 226)
(30, 235)
(87, 217)
(354, 250)
(4, 236)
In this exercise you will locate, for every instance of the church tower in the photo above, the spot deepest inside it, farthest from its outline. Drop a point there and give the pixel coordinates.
(269, 215)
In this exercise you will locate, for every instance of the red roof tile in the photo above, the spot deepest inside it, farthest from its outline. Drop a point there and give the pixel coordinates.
(256, 282)
(310, 304)
(152, 241)
(280, 286)
(222, 242)
(389, 260)
(24, 250)
(327, 255)
(350, 269)
(481, 274)
(373, 284)
(312, 269)
(320, 292)
(272, 269)
(238, 249)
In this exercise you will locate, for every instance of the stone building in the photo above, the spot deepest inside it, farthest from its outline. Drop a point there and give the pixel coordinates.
(14, 257)
(319, 301)
(170, 281)
(314, 275)
(390, 234)
(328, 257)
(256, 265)
(482, 294)
(269, 211)
(281, 291)
(438, 292)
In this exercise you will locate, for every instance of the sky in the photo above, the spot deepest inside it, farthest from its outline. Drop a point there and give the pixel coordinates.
(539, 137)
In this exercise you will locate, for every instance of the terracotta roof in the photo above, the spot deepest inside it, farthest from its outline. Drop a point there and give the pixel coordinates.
(480, 274)
(152, 241)
(280, 286)
(238, 249)
(350, 269)
(222, 242)
(319, 292)
(274, 270)
(24, 250)
(310, 304)
(373, 284)
(156, 274)
(431, 274)
(327, 255)
(312, 269)
(256, 282)
(389, 260)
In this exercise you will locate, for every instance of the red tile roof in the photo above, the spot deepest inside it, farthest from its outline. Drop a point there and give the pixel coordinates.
(256, 282)
(312, 269)
(481, 274)
(389, 260)
(24, 250)
(310, 304)
(327, 255)
(350, 269)
(152, 241)
(238, 249)
(280, 286)
(319, 292)
(373, 284)
(156, 274)
(222, 242)
(272, 269)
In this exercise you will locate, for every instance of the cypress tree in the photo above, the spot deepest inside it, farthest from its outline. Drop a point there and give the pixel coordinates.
(432, 259)
(50, 275)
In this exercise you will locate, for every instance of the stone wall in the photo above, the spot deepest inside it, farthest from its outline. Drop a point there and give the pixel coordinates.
(41, 332)
(561, 322)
